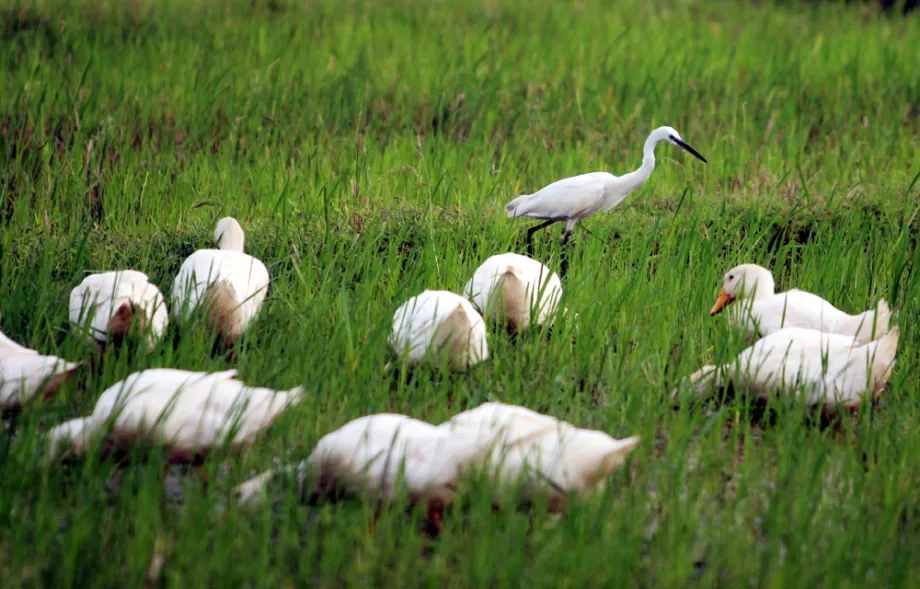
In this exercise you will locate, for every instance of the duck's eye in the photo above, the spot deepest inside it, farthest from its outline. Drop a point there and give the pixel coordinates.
(731, 276)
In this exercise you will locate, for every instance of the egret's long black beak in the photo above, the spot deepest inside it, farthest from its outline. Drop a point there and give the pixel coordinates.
(686, 146)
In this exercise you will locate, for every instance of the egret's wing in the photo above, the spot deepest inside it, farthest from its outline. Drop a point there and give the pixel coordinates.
(574, 197)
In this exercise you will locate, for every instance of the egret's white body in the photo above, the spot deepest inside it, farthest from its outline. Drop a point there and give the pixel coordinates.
(544, 455)
(190, 413)
(576, 198)
(762, 312)
(439, 324)
(24, 373)
(827, 367)
(509, 287)
(104, 305)
(230, 284)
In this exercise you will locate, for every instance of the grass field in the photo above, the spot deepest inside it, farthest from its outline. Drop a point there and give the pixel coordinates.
(368, 149)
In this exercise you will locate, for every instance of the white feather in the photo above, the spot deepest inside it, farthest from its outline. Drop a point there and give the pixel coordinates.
(188, 412)
(510, 287)
(436, 323)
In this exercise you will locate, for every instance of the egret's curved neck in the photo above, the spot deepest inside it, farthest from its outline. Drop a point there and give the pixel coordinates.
(635, 179)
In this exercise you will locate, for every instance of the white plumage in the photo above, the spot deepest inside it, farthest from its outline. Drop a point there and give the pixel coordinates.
(438, 324)
(573, 199)
(510, 287)
(763, 312)
(187, 412)
(370, 455)
(228, 283)
(542, 454)
(24, 373)
(104, 305)
(374, 456)
(827, 367)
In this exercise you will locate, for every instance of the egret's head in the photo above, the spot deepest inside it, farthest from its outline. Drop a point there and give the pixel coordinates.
(672, 136)
(747, 281)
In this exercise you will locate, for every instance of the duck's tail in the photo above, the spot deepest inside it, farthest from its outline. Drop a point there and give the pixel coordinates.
(65, 436)
(223, 311)
(122, 320)
(883, 359)
(873, 324)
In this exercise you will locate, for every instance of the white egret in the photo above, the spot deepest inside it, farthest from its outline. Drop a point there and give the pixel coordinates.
(762, 311)
(24, 373)
(509, 287)
(579, 197)
(828, 367)
(106, 304)
(228, 283)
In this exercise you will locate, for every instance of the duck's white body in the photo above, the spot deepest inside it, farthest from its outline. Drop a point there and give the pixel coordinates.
(827, 367)
(761, 311)
(509, 287)
(188, 412)
(438, 324)
(105, 304)
(544, 455)
(24, 373)
(228, 283)
(371, 455)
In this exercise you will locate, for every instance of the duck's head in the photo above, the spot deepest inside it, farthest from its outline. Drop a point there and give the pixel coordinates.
(747, 281)
(229, 235)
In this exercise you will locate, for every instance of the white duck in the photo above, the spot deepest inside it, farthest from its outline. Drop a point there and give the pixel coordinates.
(188, 412)
(508, 287)
(763, 312)
(546, 456)
(228, 283)
(24, 373)
(439, 324)
(373, 457)
(106, 304)
(828, 367)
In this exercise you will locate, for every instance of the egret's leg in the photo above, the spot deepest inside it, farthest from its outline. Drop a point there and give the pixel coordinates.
(564, 266)
(533, 230)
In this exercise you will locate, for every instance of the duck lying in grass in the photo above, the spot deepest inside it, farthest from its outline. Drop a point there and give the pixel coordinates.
(228, 284)
(372, 456)
(107, 304)
(437, 326)
(540, 455)
(189, 413)
(508, 288)
(827, 367)
(763, 312)
(376, 456)
(24, 373)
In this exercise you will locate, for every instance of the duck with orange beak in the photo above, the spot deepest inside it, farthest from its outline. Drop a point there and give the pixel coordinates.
(763, 311)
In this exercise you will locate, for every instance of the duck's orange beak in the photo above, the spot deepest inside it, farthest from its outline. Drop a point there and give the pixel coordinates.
(724, 299)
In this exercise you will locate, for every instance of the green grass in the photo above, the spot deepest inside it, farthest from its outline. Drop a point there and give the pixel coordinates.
(368, 149)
